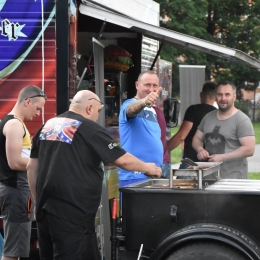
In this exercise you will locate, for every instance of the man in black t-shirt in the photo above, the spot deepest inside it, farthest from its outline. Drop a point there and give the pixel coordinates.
(191, 121)
(65, 177)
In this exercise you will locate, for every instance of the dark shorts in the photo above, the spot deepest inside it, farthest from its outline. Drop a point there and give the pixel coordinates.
(17, 222)
(60, 239)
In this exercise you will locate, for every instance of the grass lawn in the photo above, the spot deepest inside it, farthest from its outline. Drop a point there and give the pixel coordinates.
(176, 154)
(254, 175)
(257, 132)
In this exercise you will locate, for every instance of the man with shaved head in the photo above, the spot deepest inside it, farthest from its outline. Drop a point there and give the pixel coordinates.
(65, 177)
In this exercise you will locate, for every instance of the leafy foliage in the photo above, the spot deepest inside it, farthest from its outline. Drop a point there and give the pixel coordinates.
(231, 23)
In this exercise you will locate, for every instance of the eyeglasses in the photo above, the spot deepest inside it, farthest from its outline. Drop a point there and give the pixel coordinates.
(41, 94)
(102, 105)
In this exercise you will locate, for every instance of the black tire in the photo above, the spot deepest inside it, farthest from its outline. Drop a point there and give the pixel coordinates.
(206, 250)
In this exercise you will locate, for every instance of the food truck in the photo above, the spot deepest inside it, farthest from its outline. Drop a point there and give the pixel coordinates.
(66, 46)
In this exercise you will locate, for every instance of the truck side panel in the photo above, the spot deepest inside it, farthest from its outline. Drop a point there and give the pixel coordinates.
(27, 54)
(147, 221)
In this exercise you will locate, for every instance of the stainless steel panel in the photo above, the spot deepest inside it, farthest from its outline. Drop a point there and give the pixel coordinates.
(213, 167)
(198, 172)
(237, 188)
(235, 184)
(242, 181)
(150, 182)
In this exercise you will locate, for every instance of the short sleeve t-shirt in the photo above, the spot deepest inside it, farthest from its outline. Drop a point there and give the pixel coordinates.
(194, 114)
(222, 136)
(70, 149)
(140, 136)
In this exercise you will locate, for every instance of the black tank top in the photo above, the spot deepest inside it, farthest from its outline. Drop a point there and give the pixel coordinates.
(13, 178)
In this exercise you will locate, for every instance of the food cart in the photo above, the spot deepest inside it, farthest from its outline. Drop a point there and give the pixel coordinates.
(192, 219)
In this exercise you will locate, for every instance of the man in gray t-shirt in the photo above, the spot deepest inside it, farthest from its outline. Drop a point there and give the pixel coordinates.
(226, 135)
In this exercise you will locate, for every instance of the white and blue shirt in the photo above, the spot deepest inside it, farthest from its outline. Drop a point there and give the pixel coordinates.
(140, 136)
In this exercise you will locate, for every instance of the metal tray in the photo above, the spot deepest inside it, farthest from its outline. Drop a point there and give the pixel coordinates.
(198, 173)
(164, 184)
(170, 183)
(149, 182)
(213, 167)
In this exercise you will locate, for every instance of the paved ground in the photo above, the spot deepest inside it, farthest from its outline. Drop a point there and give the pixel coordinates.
(253, 161)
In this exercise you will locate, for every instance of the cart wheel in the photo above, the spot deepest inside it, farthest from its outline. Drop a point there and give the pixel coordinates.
(205, 250)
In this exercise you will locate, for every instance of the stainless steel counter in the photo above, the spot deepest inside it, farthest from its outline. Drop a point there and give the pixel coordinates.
(197, 172)
(235, 184)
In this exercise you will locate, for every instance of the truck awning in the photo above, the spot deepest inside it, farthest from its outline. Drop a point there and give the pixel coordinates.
(165, 35)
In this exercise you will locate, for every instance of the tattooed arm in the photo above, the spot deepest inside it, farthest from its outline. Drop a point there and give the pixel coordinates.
(135, 107)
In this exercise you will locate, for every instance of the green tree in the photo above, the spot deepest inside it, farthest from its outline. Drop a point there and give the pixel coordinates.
(231, 23)
(188, 17)
(236, 24)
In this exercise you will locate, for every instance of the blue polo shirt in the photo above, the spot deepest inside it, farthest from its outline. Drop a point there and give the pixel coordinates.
(140, 136)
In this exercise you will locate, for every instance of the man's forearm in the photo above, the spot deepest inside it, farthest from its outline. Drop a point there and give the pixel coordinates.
(197, 144)
(180, 136)
(32, 174)
(32, 179)
(130, 163)
(135, 108)
(175, 141)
